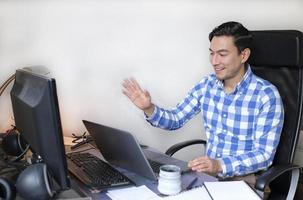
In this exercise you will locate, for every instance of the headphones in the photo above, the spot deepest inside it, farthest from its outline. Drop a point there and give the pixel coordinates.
(32, 183)
(7, 189)
(14, 145)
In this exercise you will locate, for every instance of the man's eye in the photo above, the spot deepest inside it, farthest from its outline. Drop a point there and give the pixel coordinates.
(223, 55)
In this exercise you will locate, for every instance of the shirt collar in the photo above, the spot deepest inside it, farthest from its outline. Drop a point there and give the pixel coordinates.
(243, 84)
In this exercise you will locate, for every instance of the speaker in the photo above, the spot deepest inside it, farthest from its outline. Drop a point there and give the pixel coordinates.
(34, 183)
(7, 189)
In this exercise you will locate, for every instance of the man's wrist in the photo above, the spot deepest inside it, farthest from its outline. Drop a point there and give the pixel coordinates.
(149, 111)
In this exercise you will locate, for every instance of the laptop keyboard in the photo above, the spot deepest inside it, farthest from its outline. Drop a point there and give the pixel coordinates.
(94, 172)
(155, 165)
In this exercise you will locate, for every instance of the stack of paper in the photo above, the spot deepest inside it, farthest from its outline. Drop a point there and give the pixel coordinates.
(133, 193)
(226, 190)
(199, 193)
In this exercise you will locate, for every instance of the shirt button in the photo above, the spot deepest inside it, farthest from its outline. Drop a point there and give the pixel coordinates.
(224, 115)
(224, 130)
(218, 155)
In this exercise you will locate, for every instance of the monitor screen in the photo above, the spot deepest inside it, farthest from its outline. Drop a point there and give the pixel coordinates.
(37, 118)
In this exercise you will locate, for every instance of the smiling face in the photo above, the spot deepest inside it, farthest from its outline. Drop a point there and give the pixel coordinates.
(227, 61)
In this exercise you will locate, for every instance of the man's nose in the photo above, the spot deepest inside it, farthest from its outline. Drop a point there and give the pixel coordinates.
(215, 60)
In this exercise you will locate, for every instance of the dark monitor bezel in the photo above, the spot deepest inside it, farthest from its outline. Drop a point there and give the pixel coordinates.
(39, 122)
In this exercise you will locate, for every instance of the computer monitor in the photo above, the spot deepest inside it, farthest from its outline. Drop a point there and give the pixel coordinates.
(37, 118)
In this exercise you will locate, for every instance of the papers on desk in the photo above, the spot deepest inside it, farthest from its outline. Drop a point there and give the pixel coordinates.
(143, 193)
(132, 193)
(225, 190)
(199, 193)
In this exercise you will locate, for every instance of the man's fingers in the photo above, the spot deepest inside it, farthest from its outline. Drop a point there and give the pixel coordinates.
(197, 161)
(205, 164)
(135, 84)
(127, 84)
(132, 85)
(129, 91)
(201, 168)
(126, 93)
(201, 164)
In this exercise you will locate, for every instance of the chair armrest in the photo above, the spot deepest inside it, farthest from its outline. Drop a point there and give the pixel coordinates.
(272, 173)
(173, 149)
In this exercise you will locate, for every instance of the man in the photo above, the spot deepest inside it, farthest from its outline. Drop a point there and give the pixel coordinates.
(243, 114)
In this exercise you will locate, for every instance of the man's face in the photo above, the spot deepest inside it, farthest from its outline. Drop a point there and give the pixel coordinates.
(225, 58)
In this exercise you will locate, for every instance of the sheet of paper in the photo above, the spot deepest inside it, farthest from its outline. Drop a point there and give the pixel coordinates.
(133, 193)
(193, 194)
(226, 190)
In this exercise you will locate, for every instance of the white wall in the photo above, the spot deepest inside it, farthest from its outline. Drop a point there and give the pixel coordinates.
(90, 46)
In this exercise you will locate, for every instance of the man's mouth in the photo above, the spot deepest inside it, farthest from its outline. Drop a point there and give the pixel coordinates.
(218, 69)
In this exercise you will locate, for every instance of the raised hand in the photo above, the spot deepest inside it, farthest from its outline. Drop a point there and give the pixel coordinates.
(141, 98)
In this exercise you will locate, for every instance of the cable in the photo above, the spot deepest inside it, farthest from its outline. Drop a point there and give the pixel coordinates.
(22, 154)
(6, 83)
(73, 152)
(77, 138)
(79, 144)
(8, 80)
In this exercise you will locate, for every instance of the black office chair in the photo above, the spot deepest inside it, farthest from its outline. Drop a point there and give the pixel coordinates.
(277, 56)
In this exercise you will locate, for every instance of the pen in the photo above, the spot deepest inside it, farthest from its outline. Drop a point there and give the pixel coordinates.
(191, 184)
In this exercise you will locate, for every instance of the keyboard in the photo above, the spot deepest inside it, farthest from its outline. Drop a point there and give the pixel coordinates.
(94, 172)
(155, 165)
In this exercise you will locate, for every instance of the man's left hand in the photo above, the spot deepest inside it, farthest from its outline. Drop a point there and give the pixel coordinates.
(205, 164)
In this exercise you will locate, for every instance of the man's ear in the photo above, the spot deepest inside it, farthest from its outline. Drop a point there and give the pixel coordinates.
(245, 55)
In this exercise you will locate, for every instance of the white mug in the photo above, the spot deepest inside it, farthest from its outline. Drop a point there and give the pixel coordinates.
(169, 180)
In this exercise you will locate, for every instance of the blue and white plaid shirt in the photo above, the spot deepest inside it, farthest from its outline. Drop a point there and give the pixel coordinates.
(243, 127)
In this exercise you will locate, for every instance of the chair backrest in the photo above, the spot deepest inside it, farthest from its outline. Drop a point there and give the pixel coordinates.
(277, 56)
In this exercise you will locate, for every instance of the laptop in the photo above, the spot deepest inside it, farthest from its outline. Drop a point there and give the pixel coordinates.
(120, 148)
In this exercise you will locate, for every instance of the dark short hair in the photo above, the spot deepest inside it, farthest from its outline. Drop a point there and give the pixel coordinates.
(242, 36)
